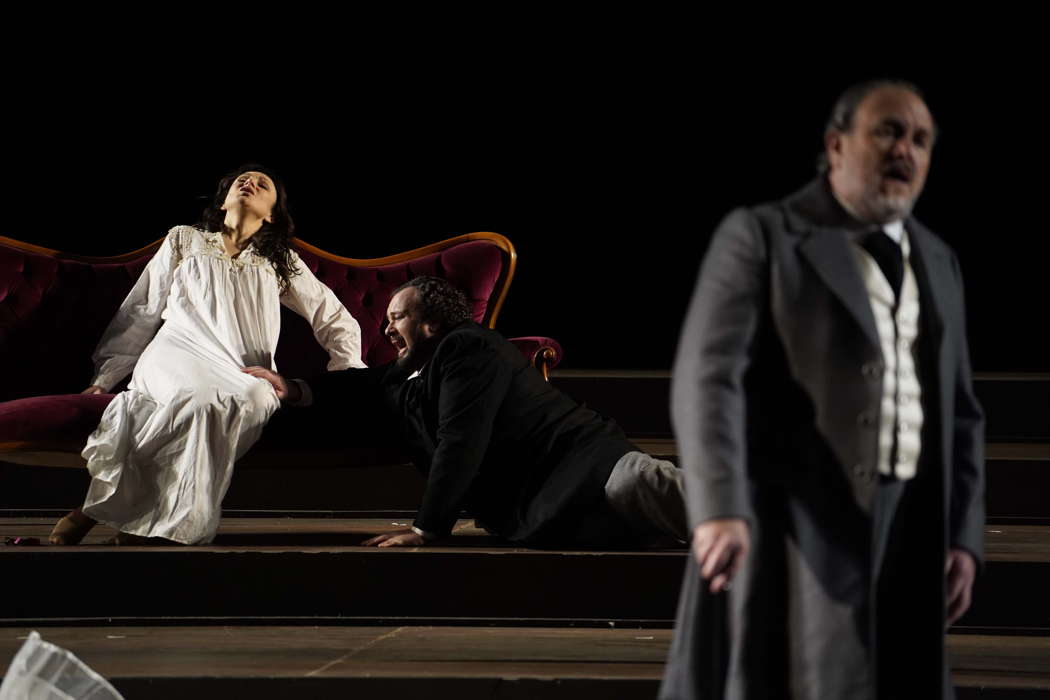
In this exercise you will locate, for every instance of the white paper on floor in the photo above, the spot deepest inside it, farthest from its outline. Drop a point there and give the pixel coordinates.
(43, 671)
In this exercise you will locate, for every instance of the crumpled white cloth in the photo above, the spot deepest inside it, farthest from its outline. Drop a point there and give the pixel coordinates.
(44, 671)
(162, 457)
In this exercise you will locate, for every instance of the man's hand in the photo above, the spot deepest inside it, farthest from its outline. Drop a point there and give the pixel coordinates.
(397, 538)
(286, 391)
(720, 547)
(960, 569)
(93, 389)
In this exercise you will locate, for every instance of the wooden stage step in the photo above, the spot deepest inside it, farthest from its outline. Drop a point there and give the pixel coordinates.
(304, 567)
(395, 662)
(1018, 479)
(1017, 405)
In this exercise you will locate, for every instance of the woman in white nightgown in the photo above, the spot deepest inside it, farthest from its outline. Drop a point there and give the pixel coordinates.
(163, 454)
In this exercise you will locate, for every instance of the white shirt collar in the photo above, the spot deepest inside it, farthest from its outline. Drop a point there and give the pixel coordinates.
(895, 230)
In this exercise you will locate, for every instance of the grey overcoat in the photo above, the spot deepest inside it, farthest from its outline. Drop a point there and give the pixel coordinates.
(776, 397)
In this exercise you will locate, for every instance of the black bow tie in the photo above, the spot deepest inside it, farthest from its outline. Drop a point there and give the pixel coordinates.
(887, 254)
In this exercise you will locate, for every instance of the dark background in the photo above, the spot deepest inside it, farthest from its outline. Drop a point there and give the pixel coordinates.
(608, 170)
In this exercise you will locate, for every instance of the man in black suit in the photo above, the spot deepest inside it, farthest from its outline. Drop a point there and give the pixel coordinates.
(829, 433)
(495, 439)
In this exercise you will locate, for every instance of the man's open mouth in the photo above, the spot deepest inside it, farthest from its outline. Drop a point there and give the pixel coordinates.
(901, 173)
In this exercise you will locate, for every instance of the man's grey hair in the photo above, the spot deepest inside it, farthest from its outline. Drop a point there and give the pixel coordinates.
(845, 109)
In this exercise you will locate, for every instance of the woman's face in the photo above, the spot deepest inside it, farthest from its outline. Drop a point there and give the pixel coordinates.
(252, 192)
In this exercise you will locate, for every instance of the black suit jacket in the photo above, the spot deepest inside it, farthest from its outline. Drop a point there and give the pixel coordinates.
(492, 437)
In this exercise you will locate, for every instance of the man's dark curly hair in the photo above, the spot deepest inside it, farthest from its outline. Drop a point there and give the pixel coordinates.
(272, 240)
(440, 302)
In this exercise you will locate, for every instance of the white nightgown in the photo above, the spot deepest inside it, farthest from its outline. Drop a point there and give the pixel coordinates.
(162, 457)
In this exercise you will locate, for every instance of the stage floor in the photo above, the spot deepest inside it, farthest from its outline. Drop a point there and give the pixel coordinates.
(440, 652)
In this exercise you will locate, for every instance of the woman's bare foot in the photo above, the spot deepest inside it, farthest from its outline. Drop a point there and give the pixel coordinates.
(71, 528)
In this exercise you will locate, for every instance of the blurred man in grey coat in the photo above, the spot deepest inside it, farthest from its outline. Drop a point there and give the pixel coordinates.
(829, 433)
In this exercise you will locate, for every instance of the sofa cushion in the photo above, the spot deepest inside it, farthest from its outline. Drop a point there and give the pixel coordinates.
(60, 422)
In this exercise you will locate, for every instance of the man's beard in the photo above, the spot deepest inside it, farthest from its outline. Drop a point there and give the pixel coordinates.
(417, 355)
(882, 209)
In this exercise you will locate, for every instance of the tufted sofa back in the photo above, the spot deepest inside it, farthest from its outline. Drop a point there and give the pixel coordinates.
(54, 306)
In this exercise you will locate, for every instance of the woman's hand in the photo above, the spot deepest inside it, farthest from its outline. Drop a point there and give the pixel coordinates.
(94, 389)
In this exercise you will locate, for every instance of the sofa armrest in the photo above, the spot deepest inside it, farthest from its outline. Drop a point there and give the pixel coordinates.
(543, 353)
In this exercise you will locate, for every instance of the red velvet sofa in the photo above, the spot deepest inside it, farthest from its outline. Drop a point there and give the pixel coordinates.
(54, 307)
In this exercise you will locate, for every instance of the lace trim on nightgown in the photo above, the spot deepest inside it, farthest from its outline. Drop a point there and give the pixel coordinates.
(213, 247)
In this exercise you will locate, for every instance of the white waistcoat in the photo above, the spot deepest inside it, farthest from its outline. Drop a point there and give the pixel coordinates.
(901, 407)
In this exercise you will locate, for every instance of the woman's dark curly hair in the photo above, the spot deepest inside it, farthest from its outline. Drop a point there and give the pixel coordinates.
(272, 240)
(440, 302)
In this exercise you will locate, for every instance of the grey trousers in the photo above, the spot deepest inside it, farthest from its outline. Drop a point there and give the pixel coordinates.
(649, 494)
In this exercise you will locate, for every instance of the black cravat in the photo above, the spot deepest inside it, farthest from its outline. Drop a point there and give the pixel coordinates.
(887, 254)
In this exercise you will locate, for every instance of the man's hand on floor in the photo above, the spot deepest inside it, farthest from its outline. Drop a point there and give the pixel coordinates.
(397, 538)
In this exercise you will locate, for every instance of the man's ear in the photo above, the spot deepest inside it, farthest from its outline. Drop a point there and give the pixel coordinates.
(430, 329)
(833, 145)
